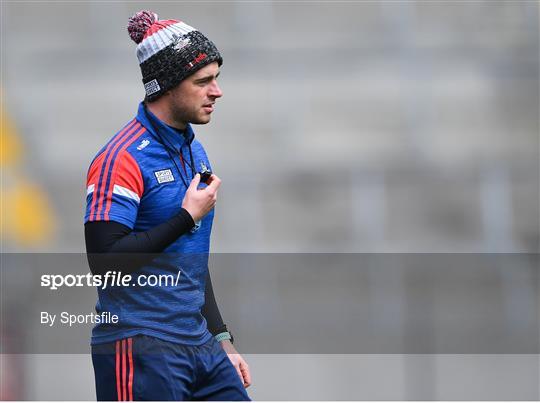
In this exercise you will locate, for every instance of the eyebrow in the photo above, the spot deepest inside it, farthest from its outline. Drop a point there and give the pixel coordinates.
(206, 78)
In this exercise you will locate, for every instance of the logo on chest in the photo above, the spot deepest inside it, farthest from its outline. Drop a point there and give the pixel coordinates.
(164, 176)
(143, 144)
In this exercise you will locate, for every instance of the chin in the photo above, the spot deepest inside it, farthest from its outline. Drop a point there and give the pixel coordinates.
(200, 122)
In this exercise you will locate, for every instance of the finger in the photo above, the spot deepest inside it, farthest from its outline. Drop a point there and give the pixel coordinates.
(214, 182)
(195, 182)
(245, 374)
(214, 179)
(211, 178)
(237, 367)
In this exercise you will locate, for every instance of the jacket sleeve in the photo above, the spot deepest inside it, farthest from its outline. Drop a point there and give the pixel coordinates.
(114, 188)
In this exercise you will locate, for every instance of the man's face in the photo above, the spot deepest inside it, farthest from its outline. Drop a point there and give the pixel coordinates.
(192, 101)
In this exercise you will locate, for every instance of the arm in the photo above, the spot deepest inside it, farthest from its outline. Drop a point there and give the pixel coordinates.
(113, 237)
(110, 237)
(110, 244)
(216, 326)
(210, 309)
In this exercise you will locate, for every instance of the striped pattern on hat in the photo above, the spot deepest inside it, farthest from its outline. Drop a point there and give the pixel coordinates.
(160, 35)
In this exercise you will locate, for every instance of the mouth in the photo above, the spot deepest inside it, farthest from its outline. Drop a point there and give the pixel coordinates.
(209, 108)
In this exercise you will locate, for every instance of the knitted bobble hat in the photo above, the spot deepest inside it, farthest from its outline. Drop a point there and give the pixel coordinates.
(168, 51)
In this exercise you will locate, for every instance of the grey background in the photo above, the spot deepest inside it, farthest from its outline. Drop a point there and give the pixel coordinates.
(384, 127)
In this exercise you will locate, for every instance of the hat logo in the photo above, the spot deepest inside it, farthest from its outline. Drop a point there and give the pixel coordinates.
(181, 43)
(200, 56)
(151, 87)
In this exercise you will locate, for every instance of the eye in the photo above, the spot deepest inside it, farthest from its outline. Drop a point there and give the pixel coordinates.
(202, 83)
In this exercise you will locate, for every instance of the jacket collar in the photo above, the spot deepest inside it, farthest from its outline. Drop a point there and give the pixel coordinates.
(174, 138)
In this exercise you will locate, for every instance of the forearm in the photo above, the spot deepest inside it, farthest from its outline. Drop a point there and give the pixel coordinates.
(210, 310)
(111, 244)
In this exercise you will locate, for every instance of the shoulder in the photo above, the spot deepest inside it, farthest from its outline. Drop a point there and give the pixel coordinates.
(117, 150)
(121, 141)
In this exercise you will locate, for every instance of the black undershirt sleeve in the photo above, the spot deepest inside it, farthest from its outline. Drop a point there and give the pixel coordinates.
(111, 244)
(113, 237)
(210, 310)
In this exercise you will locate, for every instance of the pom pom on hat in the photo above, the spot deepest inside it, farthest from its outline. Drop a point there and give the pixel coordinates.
(139, 24)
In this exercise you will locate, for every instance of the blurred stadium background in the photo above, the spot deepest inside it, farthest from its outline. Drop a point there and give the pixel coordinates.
(381, 127)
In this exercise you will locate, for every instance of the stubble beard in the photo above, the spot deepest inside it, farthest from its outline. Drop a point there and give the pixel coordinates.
(181, 114)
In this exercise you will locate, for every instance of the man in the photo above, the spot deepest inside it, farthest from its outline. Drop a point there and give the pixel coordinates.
(149, 191)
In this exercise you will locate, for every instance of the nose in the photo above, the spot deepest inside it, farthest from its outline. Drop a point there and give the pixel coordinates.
(215, 91)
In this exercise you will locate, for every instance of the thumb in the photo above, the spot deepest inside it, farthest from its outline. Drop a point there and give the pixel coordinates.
(195, 182)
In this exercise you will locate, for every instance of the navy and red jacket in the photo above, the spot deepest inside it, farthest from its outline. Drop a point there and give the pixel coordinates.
(134, 181)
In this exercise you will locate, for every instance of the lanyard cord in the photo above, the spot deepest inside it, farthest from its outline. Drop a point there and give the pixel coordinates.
(171, 157)
(192, 161)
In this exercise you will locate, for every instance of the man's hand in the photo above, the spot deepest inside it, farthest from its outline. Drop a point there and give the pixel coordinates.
(199, 202)
(238, 362)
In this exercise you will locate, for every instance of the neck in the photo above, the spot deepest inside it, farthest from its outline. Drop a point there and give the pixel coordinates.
(161, 111)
